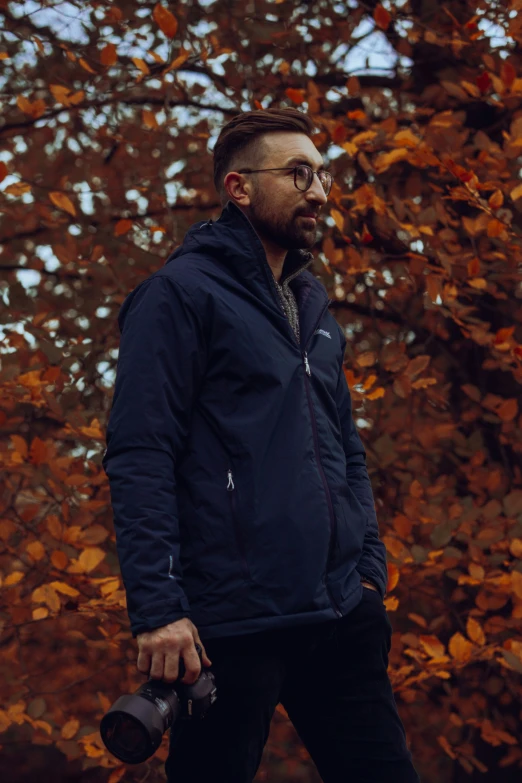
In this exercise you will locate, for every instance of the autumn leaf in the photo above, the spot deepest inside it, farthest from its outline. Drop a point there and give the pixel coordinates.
(62, 201)
(141, 65)
(46, 595)
(85, 65)
(70, 728)
(109, 55)
(475, 632)
(338, 218)
(149, 119)
(165, 20)
(36, 550)
(296, 96)
(382, 17)
(122, 227)
(65, 589)
(459, 647)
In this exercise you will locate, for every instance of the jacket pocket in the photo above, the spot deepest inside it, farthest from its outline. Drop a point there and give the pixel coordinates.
(236, 521)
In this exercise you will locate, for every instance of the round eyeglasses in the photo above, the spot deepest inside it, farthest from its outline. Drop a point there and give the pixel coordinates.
(303, 176)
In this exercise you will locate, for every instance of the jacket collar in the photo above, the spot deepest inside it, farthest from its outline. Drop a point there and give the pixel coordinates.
(232, 242)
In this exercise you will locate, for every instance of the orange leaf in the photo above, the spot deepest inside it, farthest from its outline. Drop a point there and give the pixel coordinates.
(109, 55)
(37, 452)
(393, 577)
(516, 192)
(495, 228)
(508, 410)
(70, 728)
(473, 267)
(47, 595)
(475, 632)
(62, 201)
(149, 119)
(433, 646)
(296, 96)
(382, 17)
(496, 200)
(36, 550)
(165, 20)
(65, 589)
(338, 218)
(59, 559)
(141, 64)
(516, 583)
(85, 65)
(366, 359)
(116, 775)
(460, 648)
(19, 444)
(40, 613)
(13, 578)
(376, 394)
(508, 74)
(122, 226)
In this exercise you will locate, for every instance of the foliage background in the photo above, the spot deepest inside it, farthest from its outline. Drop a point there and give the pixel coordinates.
(109, 114)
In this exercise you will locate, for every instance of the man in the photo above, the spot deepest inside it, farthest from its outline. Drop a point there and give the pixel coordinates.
(243, 509)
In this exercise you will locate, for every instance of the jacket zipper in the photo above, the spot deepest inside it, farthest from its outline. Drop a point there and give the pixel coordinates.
(333, 526)
(231, 489)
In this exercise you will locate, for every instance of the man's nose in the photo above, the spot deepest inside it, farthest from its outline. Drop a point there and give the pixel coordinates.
(316, 192)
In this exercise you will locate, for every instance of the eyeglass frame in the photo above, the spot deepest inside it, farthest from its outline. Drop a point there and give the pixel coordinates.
(294, 169)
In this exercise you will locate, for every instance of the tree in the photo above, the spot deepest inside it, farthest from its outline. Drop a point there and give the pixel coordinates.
(110, 112)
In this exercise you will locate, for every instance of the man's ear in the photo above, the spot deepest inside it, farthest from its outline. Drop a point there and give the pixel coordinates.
(238, 188)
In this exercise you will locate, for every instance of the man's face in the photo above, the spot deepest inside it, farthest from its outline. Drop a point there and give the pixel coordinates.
(277, 209)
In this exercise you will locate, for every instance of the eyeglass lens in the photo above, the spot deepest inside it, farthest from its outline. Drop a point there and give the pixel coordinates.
(304, 176)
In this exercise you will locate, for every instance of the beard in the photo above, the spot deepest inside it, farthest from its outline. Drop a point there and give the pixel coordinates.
(288, 231)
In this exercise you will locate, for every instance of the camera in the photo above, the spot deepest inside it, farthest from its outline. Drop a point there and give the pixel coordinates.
(133, 727)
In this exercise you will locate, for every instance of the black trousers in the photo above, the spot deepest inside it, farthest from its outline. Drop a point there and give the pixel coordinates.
(332, 680)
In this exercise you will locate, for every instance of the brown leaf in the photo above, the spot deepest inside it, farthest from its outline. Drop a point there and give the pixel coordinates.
(382, 17)
(165, 20)
(70, 728)
(109, 55)
(122, 227)
(417, 365)
(62, 201)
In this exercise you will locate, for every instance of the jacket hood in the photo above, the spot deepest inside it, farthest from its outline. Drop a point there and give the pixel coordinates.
(233, 239)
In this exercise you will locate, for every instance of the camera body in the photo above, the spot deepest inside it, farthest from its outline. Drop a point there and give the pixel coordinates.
(133, 727)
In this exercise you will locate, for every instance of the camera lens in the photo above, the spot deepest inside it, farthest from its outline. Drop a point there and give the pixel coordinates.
(126, 737)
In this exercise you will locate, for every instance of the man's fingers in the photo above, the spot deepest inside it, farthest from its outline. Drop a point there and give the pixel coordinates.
(143, 663)
(171, 670)
(157, 666)
(192, 664)
(204, 657)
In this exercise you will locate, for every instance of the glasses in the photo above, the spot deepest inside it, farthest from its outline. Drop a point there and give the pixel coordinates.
(303, 176)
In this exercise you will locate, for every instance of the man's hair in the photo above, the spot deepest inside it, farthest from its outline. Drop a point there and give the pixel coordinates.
(240, 143)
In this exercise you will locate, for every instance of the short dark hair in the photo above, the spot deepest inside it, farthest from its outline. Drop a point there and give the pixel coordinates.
(239, 144)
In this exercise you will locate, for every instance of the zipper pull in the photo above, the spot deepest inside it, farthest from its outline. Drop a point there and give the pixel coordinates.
(307, 365)
(230, 481)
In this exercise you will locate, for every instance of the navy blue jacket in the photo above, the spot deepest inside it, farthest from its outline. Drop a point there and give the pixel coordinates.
(238, 481)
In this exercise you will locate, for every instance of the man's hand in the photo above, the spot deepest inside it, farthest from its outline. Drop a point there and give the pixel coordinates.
(368, 584)
(161, 649)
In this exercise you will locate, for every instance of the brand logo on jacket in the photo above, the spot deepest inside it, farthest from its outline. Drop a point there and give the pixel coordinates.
(324, 333)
